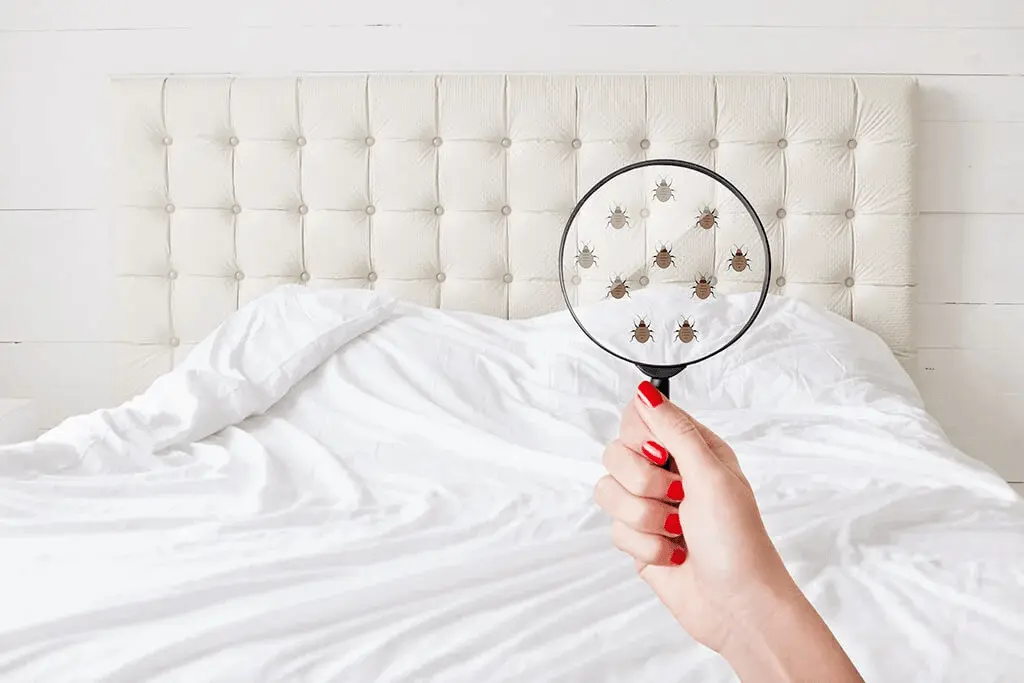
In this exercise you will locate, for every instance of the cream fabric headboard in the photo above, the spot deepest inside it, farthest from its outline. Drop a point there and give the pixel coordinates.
(452, 190)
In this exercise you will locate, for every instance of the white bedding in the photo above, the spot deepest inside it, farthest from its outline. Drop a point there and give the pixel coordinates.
(337, 487)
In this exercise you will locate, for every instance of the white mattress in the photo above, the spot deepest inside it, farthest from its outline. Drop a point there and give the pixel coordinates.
(335, 486)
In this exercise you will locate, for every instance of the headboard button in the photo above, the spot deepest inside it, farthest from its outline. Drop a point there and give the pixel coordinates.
(852, 144)
(370, 141)
(577, 143)
(781, 213)
(576, 279)
(850, 213)
(781, 282)
(370, 210)
(236, 209)
(300, 141)
(645, 144)
(303, 209)
(437, 142)
(506, 210)
(173, 341)
(441, 277)
(507, 278)
(239, 276)
(304, 276)
(233, 141)
(848, 282)
(713, 281)
(169, 208)
(713, 143)
(783, 143)
(506, 142)
(644, 281)
(645, 212)
(438, 210)
(371, 276)
(168, 141)
(173, 275)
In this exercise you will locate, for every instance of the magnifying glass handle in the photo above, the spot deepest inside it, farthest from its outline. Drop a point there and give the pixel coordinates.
(661, 384)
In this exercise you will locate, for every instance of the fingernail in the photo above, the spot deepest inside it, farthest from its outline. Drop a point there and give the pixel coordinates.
(649, 394)
(672, 524)
(675, 491)
(678, 556)
(655, 452)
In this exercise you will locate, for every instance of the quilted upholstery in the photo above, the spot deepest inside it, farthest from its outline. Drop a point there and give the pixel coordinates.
(452, 190)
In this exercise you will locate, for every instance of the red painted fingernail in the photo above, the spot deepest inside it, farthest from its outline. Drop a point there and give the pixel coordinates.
(672, 524)
(649, 394)
(675, 490)
(655, 452)
(678, 556)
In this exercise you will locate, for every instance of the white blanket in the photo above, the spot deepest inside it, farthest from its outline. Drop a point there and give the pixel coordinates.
(338, 487)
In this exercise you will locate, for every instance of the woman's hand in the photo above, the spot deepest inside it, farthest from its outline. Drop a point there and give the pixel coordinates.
(709, 559)
(697, 536)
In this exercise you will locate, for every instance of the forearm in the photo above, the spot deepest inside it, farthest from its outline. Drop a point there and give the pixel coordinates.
(784, 640)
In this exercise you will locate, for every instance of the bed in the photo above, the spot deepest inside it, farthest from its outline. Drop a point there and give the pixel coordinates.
(364, 431)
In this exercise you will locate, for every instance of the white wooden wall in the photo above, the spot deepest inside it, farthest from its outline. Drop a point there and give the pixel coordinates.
(55, 57)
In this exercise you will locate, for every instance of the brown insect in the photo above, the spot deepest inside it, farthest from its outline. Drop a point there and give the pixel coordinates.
(642, 332)
(702, 288)
(664, 258)
(663, 190)
(686, 333)
(707, 218)
(586, 257)
(618, 288)
(738, 261)
(618, 218)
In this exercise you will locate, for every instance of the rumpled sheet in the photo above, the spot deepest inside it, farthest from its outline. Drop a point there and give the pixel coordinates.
(336, 486)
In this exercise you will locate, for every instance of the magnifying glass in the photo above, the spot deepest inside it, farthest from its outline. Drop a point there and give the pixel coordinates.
(664, 263)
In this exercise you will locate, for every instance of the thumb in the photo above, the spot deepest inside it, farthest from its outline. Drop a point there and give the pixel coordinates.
(674, 429)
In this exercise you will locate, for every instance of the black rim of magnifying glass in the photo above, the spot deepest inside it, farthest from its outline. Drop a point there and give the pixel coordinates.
(655, 370)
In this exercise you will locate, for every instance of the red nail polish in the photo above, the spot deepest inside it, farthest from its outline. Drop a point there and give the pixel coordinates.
(675, 491)
(678, 556)
(655, 452)
(649, 394)
(672, 524)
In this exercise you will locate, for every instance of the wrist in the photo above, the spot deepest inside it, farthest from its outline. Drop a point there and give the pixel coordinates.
(775, 615)
(781, 638)
(769, 599)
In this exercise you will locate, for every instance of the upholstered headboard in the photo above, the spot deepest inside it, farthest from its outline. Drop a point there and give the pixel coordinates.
(452, 190)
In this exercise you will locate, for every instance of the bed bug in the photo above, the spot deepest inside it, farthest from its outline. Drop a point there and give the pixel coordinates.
(738, 260)
(686, 332)
(664, 258)
(642, 331)
(707, 218)
(663, 190)
(618, 218)
(618, 288)
(702, 288)
(586, 257)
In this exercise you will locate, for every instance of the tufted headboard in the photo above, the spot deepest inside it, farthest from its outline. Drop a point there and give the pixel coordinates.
(452, 190)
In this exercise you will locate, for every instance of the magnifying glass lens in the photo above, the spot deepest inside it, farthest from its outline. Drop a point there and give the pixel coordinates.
(664, 264)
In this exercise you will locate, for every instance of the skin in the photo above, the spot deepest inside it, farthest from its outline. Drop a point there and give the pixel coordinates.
(732, 593)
